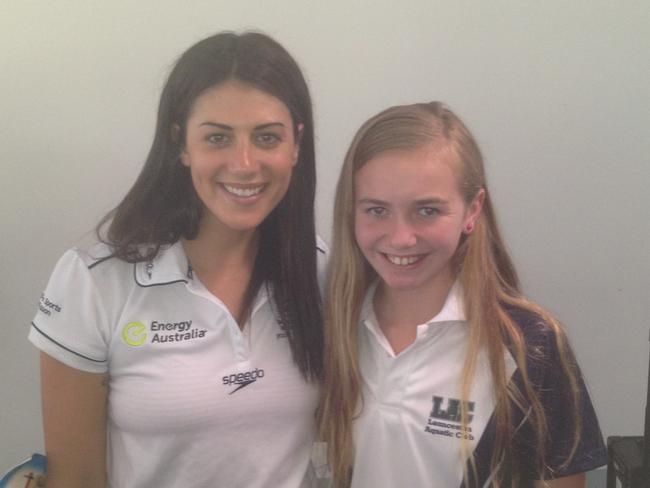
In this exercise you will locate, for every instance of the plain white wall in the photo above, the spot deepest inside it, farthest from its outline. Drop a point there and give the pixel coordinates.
(556, 92)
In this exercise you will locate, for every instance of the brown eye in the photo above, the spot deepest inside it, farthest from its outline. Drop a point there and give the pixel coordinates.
(267, 139)
(218, 139)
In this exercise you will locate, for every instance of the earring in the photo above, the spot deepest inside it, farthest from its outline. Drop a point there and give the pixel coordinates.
(469, 228)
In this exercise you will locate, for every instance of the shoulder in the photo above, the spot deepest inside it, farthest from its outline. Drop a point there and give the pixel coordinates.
(536, 330)
(88, 256)
(546, 346)
(94, 265)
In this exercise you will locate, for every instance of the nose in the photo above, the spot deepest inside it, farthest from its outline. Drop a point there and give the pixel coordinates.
(243, 160)
(402, 234)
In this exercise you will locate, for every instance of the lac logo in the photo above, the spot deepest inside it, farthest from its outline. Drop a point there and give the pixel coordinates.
(134, 334)
(452, 410)
(445, 420)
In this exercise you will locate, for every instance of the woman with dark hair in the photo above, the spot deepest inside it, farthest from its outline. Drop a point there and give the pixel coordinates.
(184, 349)
(439, 372)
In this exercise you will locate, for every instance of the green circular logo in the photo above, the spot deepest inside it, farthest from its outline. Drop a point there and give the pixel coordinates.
(134, 333)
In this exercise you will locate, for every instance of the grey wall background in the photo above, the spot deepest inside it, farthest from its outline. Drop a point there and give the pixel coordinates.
(556, 92)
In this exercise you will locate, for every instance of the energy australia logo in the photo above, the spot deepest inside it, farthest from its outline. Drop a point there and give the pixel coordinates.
(136, 334)
(242, 380)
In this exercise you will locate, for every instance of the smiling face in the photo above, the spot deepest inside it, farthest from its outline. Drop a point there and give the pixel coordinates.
(409, 217)
(241, 149)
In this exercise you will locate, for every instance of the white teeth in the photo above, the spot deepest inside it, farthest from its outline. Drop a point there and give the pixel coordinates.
(402, 260)
(243, 192)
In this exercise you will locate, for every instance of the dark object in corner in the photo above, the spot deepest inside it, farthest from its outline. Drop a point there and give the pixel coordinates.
(625, 462)
(628, 458)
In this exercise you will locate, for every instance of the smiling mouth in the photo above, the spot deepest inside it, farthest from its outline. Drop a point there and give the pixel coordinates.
(403, 260)
(243, 191)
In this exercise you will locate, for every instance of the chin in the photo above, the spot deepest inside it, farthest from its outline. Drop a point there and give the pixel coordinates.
(246, 226)
(243, 225)
(400, 285)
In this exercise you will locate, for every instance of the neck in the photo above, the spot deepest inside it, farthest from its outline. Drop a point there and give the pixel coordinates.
(224, 262)
(217, 249)
(409, 308)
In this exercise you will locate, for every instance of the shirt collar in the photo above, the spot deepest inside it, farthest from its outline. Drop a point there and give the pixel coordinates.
(172, 266)
(452, 310)
(169, 266)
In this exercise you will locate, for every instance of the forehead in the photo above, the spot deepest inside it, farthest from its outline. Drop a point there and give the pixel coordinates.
(235, 103)
(407, 174)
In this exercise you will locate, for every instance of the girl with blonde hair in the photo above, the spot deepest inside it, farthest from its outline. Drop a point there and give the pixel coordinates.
(438, 371)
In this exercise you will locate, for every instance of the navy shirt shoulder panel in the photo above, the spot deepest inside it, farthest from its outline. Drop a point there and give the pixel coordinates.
(553, 389)
(551, 384)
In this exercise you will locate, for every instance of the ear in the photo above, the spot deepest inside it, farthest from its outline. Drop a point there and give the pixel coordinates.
(176, 138)
(296, 152)
(473, 212)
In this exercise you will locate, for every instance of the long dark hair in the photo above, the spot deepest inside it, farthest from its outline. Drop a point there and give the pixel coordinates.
(162, 206)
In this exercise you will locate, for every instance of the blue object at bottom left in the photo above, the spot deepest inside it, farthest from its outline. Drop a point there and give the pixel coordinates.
(28, 474)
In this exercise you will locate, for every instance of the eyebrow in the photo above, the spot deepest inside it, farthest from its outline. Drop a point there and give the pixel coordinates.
(371, 201)
(432, 201)
(230, 128)
(424, 201)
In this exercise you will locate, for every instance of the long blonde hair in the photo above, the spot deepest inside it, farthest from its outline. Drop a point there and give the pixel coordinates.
(490, 288)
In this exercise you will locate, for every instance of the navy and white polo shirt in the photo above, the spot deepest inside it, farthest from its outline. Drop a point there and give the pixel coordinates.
(409, 432)
(194, 401)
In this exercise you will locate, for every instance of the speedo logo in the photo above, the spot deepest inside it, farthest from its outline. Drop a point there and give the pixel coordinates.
(241, 380)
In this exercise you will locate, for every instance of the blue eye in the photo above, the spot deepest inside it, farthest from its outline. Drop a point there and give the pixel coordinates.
(428, 211)
(377, 211)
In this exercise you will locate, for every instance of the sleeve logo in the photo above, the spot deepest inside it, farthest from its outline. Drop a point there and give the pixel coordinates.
(47, 306)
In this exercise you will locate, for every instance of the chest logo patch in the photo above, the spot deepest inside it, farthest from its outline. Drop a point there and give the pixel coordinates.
(242, 380)
(136, 334)
(445, 418)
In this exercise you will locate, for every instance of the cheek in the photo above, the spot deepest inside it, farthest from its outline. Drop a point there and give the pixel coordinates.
(449, 235)
(359, 233)
(364, 233)
(283, 167)
(288, 172)
(200, 180)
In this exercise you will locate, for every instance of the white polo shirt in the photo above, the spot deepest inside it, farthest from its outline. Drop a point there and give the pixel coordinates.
(409, 432)
(194, 401)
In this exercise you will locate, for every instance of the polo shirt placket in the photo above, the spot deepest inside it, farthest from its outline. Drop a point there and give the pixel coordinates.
(409, 417)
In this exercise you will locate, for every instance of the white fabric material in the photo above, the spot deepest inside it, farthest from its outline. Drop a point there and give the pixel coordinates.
(409, 432)
(194, 401)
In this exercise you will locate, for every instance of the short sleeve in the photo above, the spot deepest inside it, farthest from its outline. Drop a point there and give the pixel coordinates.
(71, 323)
(554, 392)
